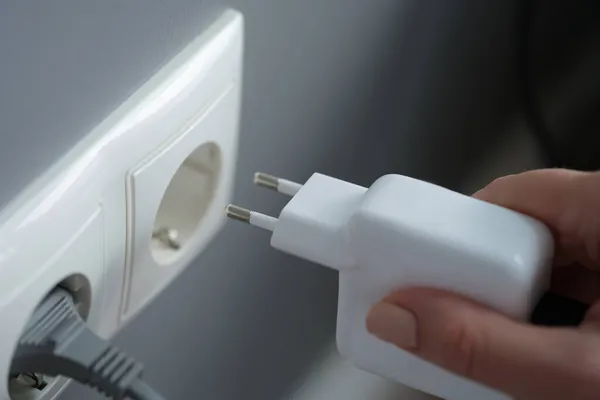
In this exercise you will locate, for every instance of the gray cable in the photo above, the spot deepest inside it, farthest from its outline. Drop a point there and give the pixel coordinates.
(140, 390)
(58, 342)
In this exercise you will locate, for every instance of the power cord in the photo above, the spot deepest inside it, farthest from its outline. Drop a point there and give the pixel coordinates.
(57, 341)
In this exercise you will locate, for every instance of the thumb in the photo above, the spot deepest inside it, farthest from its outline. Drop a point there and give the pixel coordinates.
(524, 361)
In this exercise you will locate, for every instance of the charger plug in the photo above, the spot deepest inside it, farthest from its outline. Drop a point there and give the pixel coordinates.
(404, 232)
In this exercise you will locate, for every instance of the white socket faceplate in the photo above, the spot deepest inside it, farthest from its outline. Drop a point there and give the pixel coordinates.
(171, 145)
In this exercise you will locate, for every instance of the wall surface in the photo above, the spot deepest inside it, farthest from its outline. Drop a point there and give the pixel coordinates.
(347, 87)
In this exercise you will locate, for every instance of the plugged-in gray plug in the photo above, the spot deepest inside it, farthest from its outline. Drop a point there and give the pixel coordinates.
(57, 341)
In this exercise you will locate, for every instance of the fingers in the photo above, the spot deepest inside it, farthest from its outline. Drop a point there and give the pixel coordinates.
(567, 201)
(591, 323)
(461, 336)
(542, 193)
(576, 282)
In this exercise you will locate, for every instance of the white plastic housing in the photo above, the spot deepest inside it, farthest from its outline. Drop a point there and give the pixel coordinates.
(405, 232)
(166, 157)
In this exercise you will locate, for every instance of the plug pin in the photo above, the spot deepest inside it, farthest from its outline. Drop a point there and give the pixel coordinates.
(251, 217)
(277, 184)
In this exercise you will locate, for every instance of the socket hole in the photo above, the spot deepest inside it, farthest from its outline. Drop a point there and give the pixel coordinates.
(185, 202)
(33, 386)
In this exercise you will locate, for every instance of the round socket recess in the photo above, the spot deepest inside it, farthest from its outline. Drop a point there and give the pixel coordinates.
(185, 203)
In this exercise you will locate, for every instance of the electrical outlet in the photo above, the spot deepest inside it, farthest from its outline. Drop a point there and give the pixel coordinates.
(131, 205)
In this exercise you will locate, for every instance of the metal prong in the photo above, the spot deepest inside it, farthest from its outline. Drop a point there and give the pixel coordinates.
(238, 213)
(251, 217)
(167, 236)
(266, 181)
(278, 184)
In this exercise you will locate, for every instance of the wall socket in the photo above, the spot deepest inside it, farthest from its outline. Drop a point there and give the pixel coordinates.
(132, 204)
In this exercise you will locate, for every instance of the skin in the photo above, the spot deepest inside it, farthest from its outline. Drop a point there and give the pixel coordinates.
(524, 361)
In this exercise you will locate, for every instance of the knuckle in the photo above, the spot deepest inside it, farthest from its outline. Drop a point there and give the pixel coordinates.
(463, 348)
(493, 190)
(499, 182)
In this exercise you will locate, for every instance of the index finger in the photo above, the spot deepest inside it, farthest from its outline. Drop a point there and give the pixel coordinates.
(567, 201)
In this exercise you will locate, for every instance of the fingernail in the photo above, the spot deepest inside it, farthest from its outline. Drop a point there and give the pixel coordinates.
(393, 324)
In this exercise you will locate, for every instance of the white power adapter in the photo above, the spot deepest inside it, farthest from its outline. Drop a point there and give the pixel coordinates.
(404, 232)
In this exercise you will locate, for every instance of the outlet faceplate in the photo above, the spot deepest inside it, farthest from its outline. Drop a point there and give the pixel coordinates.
(94, 212)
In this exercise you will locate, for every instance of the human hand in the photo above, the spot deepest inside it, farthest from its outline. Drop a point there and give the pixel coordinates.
(524, 361)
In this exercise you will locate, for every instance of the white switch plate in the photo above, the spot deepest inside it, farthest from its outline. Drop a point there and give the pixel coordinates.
(92, 215)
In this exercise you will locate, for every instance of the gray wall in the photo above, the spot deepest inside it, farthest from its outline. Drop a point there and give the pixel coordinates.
(353, 88)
